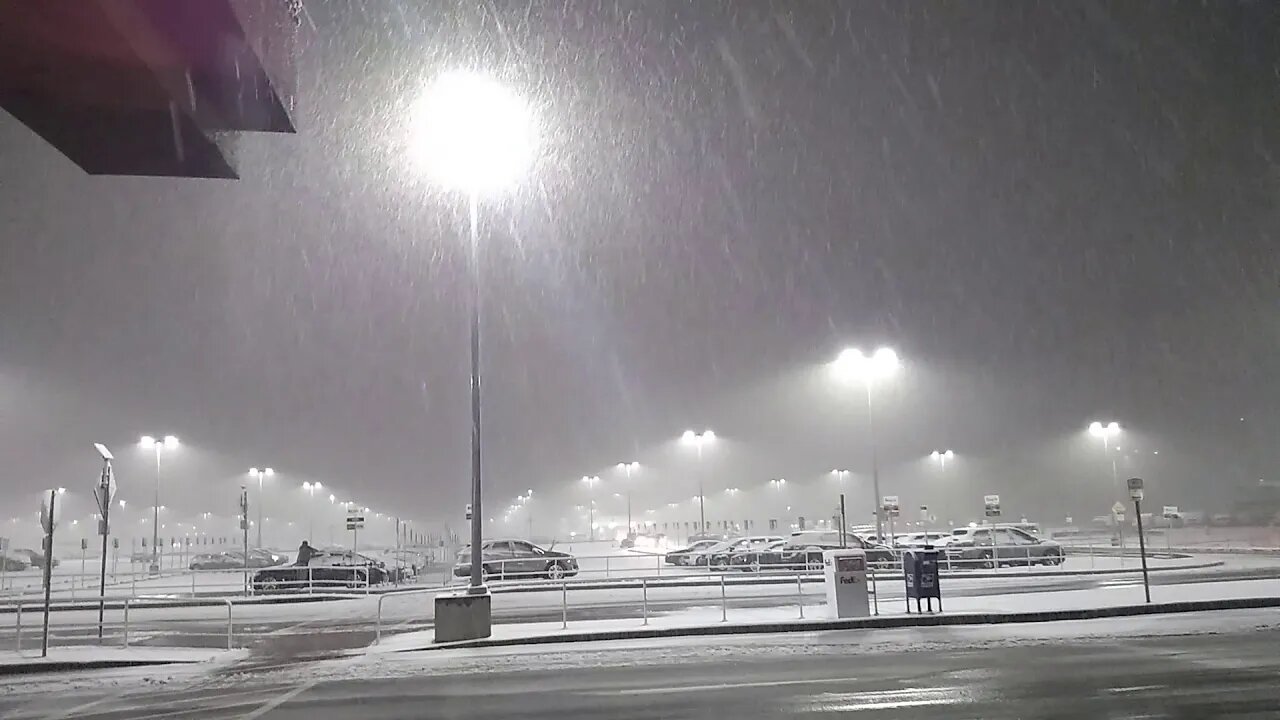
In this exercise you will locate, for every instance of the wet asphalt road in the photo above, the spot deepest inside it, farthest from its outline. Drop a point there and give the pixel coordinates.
(1208, 665)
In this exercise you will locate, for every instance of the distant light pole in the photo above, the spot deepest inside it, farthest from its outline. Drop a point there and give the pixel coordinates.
(311, 488)
(840, 474)
(148, 442)
(778, 483)
(854, 366)
(1106, 431)
(941, 457)
(698, 440)
(628, 468)
(255, 472)
(591, 481)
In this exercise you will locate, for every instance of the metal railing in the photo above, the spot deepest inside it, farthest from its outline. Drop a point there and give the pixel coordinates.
(80, 626)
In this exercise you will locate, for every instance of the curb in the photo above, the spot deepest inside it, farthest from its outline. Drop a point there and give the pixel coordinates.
(144, 602)
(32, 668)
(896, 621)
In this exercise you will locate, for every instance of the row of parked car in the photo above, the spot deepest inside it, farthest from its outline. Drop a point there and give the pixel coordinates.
(336, 568)
(975, 547)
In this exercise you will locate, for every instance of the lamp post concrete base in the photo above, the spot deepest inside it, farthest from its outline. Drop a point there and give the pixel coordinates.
(463, 616)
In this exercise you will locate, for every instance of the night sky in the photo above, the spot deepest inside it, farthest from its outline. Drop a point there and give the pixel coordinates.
(1055, 212)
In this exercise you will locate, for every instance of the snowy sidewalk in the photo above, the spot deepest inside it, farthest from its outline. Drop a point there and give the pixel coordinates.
(1124, 597)
(67, 659)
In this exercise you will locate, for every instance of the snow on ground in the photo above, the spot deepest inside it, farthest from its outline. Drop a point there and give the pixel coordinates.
(1121, 592)
(119, 654)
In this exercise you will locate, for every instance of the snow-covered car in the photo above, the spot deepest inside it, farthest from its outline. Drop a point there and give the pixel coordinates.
(13, 564)
(990, 546)
(31, 557)
(326, 569)
(516, 559)
(720, 557)
(689, 555)
(920, 539)
(215, 561)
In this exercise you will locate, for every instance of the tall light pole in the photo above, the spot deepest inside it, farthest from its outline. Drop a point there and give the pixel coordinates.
(628, 468)
(255, 472)
(1106, 431)
(311, 488)
(474, 136)
(149, 442)
(852, 366)
(590, 481)
(698, 440)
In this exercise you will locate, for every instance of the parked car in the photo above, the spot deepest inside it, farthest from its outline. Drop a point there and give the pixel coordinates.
(257, 558)
(13, 564)
(216, 561)
(326, 569)
(515, 559)
(922, 538)
(721, 556)
(31, 557)
(990, 546)
(686, 555)
(804, 549)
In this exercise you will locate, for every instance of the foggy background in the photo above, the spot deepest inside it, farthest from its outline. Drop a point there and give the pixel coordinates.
(1054, 212)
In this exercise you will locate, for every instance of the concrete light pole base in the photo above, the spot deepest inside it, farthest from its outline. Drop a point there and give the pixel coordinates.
(463, 616)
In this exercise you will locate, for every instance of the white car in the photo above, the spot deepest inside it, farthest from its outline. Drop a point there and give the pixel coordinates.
(936, 538)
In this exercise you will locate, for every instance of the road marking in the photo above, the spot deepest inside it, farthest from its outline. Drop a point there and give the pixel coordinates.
(279, 700)
(721, 686)
(78, 710)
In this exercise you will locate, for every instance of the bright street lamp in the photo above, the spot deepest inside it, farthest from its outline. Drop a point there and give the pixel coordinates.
(941, 457)
(698, 440)
(628, 468)
(311, 488)
(1106, 431)
(148, 442)
(475, 136)
(778, 483)
(852, 366)
(255, 472)
(590, 481)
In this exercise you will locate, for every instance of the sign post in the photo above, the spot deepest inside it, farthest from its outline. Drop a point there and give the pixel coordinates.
(1135, 492)
(4, 560)
(1170, 513)
(355, 521)
(103, 493)
(844, 521)
(889, 506)
(49, 512)
(244, 529)
(1117, 513)
(991, 506)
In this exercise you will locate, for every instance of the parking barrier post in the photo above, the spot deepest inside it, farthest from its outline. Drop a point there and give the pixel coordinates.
(644, 589)
(724, 602)
(800, 596)
(126, 621)
(564, 605)
(230, 627)
(18, 629)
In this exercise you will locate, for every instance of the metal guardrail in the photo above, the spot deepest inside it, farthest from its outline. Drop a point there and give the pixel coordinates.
(113, 631)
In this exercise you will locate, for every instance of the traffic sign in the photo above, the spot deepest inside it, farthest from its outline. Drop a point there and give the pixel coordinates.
(890, 505)
(1135, 488)
(1170, 511)
(991, 505)
(47, 521)
(468, 511)
(1118, 508)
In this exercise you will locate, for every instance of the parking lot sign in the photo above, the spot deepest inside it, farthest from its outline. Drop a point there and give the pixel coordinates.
(991, 505)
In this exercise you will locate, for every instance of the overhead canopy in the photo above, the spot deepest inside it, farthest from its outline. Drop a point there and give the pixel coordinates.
(148, 87)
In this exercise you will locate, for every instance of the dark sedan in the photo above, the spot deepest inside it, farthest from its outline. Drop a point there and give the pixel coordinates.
(515, 559)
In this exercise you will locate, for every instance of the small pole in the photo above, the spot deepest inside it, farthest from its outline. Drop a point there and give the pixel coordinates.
(18, 630)
(1142, 549)
(724, 602)
(844, 522)
(644, 588)
(872, 575)
(126, 621)
(800, 596)
(48, 570)
(564, 605)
